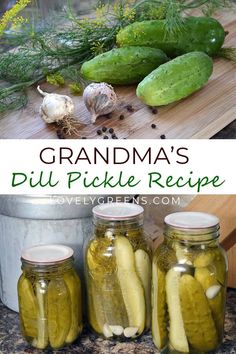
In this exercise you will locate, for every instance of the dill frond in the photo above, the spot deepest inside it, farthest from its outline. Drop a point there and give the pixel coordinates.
(11, 16)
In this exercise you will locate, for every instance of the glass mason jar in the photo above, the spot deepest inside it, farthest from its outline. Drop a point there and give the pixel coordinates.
(49, 294)
(189, 285)
(118, 272)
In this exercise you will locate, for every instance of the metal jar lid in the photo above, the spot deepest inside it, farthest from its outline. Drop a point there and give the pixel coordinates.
(47, 207)
(192, 223)
(191, 220)
(117, 211)
(47, 254)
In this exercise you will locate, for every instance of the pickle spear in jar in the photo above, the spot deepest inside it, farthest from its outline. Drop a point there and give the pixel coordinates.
(106, 304)
(28, 307)
(131, 287)
(159, 308)
(59, 312)
(41, 342)
(177, 334)
(199, 325)
(144, 270)
(73, 284)
(215, 296)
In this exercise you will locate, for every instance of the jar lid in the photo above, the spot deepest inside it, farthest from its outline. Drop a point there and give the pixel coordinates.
(47, 254)
(191, 220)
(117, 211)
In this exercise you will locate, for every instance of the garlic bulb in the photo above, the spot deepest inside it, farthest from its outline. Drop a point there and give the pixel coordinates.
(100, 99)
(55, 107)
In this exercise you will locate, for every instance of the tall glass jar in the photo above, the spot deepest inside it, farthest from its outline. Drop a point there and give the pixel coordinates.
(49, 294)
(118, 272)
(189, 285)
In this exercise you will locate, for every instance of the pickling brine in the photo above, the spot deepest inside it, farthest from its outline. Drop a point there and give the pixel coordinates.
(49, 293)
(118, 272)
(189, 279)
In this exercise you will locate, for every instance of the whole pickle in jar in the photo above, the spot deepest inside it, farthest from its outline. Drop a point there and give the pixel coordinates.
(216, 296)
(28, 307)
(159, 307)
(73, 284)
(131, 287)
(198, 322)
(59, 312)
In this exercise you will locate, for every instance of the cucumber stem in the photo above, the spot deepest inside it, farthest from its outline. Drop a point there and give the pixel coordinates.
(228, 53)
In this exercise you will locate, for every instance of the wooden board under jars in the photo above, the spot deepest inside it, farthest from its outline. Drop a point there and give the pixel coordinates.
(201, 115)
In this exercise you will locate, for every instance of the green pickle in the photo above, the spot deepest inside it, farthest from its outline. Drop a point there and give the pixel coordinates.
(59, 312)
(73, 284)
(199, 324)
(159, 308)
(28, 307)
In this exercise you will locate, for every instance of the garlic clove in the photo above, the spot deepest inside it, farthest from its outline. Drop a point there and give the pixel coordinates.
(55, 107)
(107, 331)
(130, 331)
(212, 291)
(100, 99)
(117, 330)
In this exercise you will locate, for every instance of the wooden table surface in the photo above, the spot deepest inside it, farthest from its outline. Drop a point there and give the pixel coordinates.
(201, 115)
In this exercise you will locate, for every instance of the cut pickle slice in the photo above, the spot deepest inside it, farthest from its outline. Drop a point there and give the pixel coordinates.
(144, 270)
(131, 287)
(177, 333)
(28, 307)
(73, 284)
(159, 307)
(59, 312)
(199, 325)
(207, 280)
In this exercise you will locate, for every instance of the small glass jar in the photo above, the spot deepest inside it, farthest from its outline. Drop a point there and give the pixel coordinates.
(49, 293)
(118, 272)
(189, 285)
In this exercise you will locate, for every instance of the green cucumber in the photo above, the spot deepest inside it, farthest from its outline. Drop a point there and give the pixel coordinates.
(176, 79)
(203, 34)
(122, 66)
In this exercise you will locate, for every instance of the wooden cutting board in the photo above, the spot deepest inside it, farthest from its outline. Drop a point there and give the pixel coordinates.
(200, 116)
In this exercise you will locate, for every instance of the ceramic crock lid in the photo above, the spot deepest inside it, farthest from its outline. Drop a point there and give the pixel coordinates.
(47, 207)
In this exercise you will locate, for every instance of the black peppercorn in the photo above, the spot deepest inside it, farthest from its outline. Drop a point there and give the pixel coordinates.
(122, 117)
(130, 108)
(104, 129)
(105, 137)
(99, 132)
(111, 130)
(163, 136)
(153, 126)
